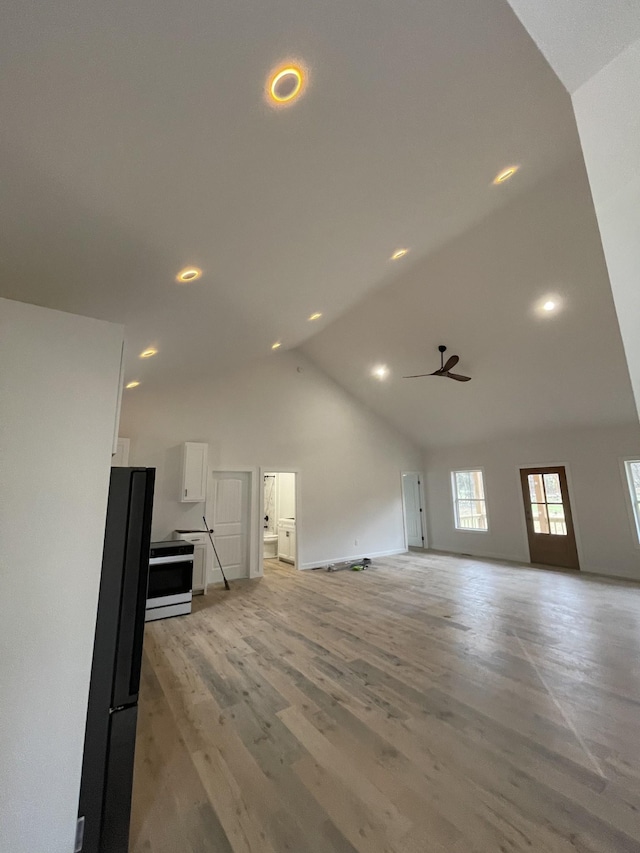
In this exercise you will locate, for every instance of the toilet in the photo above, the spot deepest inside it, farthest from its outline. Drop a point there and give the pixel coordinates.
(270, 547)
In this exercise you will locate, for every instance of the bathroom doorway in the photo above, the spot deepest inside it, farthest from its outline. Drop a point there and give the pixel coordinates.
(279, 519)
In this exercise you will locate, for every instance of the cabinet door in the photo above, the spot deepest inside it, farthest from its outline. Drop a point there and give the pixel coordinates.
(283, 544)
(199, 568)
(292, 545)
(194, 472)
(286, 545)
(116, 420)
(121, 457)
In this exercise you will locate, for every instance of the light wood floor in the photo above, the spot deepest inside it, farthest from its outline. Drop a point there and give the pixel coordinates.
(428, 704)
(269, 564)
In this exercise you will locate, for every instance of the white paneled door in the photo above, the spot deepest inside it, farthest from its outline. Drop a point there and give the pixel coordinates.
(413, 510)
(230, 521)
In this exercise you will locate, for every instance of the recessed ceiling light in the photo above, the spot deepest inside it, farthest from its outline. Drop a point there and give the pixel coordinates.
(316, 316)
(399, 253)
(132, 384)
(148, 353)
(286, 83)
(380, 372)
(548, 306)
(277, 345)
(505, 174)
(188, 274)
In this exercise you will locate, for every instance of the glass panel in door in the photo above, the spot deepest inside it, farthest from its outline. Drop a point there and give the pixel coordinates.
(540, 518)
(552, 488)
(557, 521)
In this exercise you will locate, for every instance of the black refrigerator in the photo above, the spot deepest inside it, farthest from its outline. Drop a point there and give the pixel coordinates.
(107, 769)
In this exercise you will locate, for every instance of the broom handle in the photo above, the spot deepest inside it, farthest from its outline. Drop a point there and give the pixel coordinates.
(226, 582)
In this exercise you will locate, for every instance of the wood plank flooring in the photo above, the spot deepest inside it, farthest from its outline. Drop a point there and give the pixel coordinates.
(429, 704)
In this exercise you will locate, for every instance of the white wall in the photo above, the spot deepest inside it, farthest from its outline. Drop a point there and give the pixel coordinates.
(58, 393)
(269, 414)
(598, 494)
(608, 116)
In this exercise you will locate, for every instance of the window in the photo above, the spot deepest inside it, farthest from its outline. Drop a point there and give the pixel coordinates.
(632, 467)
(469, 504)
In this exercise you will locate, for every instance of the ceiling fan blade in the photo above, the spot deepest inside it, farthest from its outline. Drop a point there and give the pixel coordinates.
(417, 376)
(451, 362)
(458, 377)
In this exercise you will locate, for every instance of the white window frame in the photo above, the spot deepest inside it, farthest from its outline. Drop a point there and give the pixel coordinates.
(455, 499)
(631, 500)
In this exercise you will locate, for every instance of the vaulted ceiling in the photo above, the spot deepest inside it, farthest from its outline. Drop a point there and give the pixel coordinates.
(579, 37)
(136, 139)
(483, 295)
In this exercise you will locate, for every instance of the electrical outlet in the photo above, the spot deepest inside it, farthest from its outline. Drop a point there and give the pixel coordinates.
(355, 541)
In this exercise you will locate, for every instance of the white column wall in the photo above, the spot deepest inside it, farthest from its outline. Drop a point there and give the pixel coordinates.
(58, 400)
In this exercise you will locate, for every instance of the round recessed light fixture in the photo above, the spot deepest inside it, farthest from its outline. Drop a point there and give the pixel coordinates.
(399, 253)
(505, 175)
(148, 353)
(132, 384)
(315, 316)
(188, 274)
(549, 305)
(380, 372)
(286, 83)
(277, 345)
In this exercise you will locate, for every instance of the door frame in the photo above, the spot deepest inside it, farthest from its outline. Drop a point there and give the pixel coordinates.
(423, 519)
(628, 500)
(277, 469)
(571, 492)
(255, 567)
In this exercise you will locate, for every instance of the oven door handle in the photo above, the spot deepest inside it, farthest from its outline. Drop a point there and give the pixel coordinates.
(163, 561)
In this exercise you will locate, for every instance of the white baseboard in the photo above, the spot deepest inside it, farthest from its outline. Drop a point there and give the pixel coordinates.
(319, 564)
(595, 573)
(590, 571)
(485, 555)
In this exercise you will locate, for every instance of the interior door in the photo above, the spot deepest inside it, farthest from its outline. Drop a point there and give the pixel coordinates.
(413, 510)
(552, 540)
(230, 522)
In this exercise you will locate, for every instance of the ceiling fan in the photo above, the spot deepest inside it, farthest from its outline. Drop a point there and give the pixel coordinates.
(445, 369)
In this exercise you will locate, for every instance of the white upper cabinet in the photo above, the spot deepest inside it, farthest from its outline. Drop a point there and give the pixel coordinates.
(120, 459)
(194, 472)
(116, 422)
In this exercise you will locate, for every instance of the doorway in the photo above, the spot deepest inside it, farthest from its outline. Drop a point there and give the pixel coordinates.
(547, 510)
(229, 511)
(413, 507)
(279, 519)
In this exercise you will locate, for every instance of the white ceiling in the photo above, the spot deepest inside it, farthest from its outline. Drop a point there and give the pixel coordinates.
(480, 295)
(579, 37)
(135, 140)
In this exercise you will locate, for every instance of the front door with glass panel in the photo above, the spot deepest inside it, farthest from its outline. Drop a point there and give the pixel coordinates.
(552, 541)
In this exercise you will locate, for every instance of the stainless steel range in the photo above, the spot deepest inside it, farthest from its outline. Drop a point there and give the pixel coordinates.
(170, 579)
